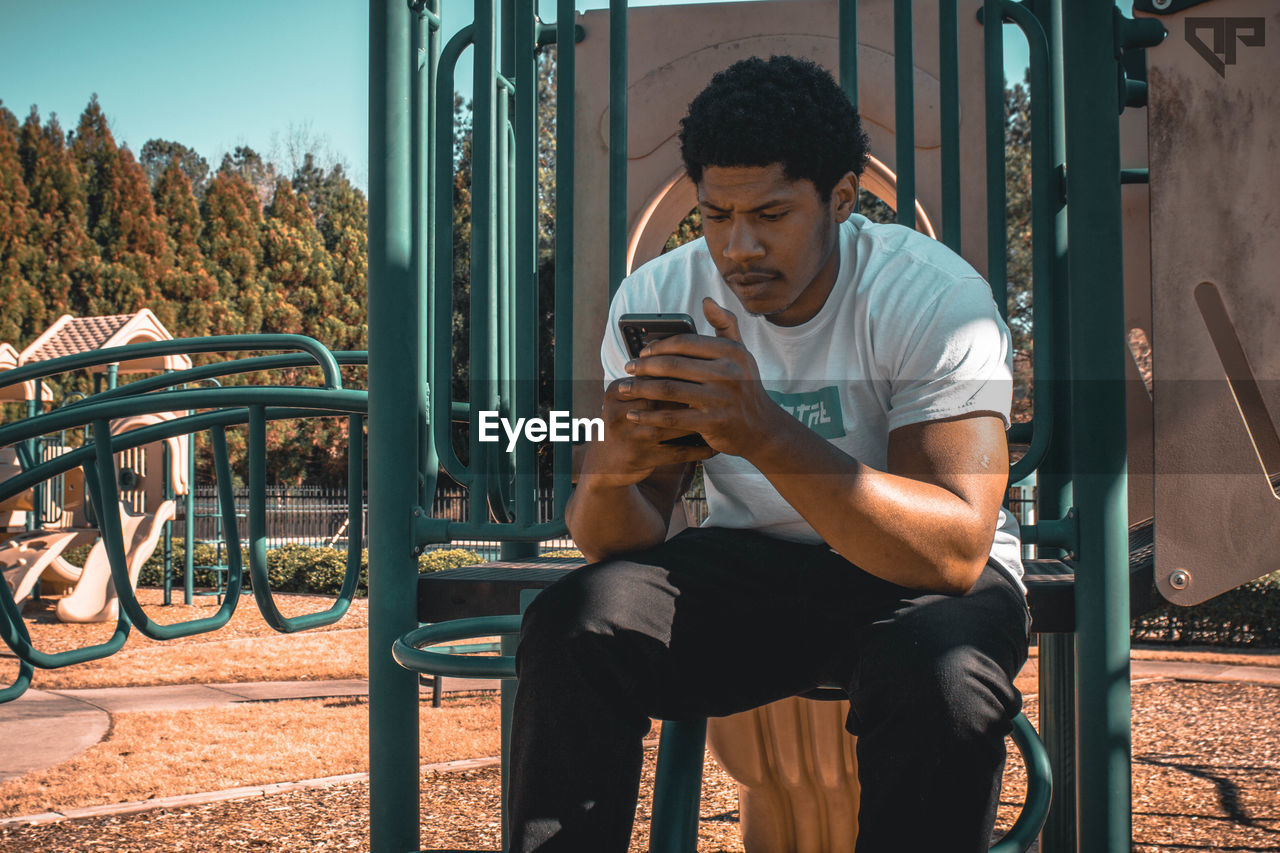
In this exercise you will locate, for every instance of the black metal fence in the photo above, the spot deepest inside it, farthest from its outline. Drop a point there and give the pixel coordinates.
(317, 515)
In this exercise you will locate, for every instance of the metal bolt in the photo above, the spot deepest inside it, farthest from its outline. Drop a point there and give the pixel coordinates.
(417, 512)
(1180, 579)
(1162, 5)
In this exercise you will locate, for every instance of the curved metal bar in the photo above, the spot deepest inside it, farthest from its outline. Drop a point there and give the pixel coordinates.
(408, 651)
(146, 435)
(442, 292)
(20, 684)
(211, 372)
(258, 543)
(107, 495)
(14, 631)
(1042, 202)
(179, 346)
(1039, 790)
(338, 400)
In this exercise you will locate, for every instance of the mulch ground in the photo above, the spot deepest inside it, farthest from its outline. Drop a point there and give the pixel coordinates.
(1206, 777)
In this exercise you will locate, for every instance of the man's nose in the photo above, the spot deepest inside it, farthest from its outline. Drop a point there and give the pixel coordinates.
(743, 246)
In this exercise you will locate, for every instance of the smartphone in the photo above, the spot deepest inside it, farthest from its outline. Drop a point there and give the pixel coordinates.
(640, 330)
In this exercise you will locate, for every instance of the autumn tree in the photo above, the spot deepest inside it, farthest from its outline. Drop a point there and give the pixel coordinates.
(17, 294)
(188, 287)
(232, 249)
(65, 266)
(121, 218)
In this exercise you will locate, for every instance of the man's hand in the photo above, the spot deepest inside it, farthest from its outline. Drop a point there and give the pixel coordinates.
(715, 380)
(631, 451)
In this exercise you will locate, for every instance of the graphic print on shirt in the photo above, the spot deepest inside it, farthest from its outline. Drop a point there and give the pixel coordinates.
(818, 410)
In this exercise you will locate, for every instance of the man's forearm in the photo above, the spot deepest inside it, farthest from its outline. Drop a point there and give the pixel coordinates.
(912, 533)
(605, 520)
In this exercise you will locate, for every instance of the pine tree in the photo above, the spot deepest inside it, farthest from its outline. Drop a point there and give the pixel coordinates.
(189, 286)
(65, 265)
(122, 220)
(294, 264)
(233, 253)
(342, 215)
(16, 293)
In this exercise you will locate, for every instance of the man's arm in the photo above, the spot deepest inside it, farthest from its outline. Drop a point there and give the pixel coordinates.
(926, 523)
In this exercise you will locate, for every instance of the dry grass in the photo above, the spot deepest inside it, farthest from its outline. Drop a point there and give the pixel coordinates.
(160, 754)
(245, 649)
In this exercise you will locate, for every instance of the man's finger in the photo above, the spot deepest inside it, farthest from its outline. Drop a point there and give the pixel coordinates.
(721, 319)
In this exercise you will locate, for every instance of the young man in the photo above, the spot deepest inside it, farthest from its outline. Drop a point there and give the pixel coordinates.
(852, 382)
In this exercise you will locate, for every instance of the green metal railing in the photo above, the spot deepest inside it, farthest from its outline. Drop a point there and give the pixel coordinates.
(502, 285)
(1076, 439)
(236, 405)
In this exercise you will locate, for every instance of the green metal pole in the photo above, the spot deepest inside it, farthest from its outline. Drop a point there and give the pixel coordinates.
(904, 112)
(565, 82)
(1057, 670)
(426, 49)
(484, 272)
(617, 143)
(1095, 265)
(949, 67)
(848, 27)
(167, 490)
(525, 265)
(394, 418)
(189, 525)
(33, 517)
(993, 65)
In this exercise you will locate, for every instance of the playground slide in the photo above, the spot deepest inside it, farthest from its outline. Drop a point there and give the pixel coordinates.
(28, 556)
(94, 598)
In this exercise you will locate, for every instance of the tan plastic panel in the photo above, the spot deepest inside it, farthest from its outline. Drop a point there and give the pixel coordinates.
(797, 774)
(1214, 140)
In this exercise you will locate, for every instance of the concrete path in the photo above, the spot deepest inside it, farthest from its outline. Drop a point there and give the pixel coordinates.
(42, 728)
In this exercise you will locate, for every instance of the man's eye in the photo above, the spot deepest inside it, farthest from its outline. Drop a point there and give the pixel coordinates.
(718, 217)
(772, 217)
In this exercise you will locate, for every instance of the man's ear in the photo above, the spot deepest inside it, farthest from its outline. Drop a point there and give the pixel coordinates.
(844, 197)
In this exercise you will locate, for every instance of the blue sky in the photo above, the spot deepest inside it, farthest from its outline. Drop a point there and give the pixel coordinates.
(212, 75)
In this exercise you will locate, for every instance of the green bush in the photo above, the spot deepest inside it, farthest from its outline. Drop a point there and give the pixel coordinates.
(290, 568)
(447, 558)
(1248, 615)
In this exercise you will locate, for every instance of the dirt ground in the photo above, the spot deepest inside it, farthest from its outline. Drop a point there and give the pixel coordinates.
(1206, 776)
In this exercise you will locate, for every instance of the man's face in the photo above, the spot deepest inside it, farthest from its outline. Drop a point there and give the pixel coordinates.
(772, 239)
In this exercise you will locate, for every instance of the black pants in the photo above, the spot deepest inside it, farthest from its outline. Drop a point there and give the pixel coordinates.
(717, 621)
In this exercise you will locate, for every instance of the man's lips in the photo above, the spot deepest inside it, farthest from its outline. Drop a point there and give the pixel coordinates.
(750, 279)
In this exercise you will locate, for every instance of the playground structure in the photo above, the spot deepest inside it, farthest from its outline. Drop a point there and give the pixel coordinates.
(45, 520)
(1106, 207)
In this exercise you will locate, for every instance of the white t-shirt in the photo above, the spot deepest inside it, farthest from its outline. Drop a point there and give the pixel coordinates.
(909, 333)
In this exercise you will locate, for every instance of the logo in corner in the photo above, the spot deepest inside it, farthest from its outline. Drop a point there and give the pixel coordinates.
(1227, 33)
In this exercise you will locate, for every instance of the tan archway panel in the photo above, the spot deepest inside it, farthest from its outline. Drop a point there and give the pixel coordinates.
(673, 52)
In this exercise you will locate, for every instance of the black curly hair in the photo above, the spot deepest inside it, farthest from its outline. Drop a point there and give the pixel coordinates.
(782, 110)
